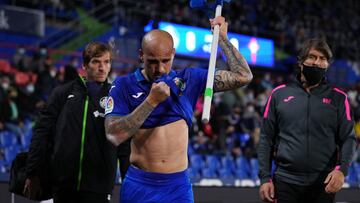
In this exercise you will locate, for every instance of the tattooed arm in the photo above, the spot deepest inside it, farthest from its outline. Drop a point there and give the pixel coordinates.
(120, 128)
(239, 73)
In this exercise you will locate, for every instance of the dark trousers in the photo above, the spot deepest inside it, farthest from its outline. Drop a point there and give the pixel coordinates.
(70, 196)
(290, 193)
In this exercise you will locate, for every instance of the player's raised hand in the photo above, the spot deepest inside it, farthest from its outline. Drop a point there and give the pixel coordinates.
(159, 92)
(222, 24)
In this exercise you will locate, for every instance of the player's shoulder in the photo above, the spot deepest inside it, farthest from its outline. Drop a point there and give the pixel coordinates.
(123, 79)
(191, 72)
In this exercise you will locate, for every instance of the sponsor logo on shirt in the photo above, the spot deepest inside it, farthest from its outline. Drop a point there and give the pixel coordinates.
(137, 95)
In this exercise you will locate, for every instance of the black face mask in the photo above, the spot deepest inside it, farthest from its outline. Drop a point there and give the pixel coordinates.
(313, 74)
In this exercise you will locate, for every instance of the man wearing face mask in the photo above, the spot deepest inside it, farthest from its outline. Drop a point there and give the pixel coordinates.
(307, 131)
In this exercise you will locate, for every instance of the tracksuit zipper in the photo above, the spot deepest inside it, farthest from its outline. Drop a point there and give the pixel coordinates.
(307, 128)
(83, 133)
(308, 134)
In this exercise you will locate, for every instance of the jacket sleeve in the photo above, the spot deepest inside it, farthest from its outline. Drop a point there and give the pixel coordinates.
(346, 135)
(42, 133)
(123, 156)
(267, 140)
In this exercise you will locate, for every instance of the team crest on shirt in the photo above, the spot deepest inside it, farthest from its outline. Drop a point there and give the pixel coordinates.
(109, 106)
(103, 102)
(180, 83)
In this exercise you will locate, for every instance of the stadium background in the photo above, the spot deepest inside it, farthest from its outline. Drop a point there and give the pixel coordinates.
(41, 43)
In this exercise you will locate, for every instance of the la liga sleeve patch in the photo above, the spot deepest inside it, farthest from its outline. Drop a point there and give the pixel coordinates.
(109, 105)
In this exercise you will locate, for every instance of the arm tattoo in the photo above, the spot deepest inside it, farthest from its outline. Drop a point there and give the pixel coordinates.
(239, 74)
(122, 128)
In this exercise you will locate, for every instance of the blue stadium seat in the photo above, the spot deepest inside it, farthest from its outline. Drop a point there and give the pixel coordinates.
(242, 170)
(28, 125)
(194, 175)
(7, 139)
(226, 176)
(240, 173)
(225, 173)
(212, 162)
(357, 169)
(196, 162)
(353, 175)
(228, 163)
(11, 152)
(208, 173)
(3, 166)
(25, 139)
(254, 164)
(191, 150)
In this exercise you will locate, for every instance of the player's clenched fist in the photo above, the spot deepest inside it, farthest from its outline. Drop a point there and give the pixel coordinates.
(158, 93)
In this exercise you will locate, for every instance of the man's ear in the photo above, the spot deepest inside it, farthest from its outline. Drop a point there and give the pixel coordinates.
(83, 66)
(141, 56)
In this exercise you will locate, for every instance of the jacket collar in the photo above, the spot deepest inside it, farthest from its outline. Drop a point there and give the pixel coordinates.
(323, 86)
(140, 77)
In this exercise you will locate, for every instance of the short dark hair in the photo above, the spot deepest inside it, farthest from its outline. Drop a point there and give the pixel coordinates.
(319, 45)
(95, 49)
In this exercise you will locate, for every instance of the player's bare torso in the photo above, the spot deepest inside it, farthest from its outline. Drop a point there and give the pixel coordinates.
(161, 149)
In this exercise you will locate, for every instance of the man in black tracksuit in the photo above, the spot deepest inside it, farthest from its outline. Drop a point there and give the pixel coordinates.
(308, 131)
(83, 163)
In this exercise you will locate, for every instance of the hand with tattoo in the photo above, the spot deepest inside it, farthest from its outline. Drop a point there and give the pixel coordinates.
(239, 73)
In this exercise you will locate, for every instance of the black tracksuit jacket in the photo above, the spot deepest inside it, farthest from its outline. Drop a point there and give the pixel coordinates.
(73, 125)
(307, 134)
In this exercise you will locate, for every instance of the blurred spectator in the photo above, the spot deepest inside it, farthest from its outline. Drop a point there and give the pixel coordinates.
(45, 82)
(20, 60)
(201, 143)
(5, 85)
(67, 74)
(9, 113)
(29, 104)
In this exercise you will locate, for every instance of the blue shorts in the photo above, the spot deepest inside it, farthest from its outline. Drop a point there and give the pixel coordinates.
(144, 187)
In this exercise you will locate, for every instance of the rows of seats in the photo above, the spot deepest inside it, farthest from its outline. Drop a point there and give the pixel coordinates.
(220, 170)
(224, 168)
(10, 145)
(204, 169)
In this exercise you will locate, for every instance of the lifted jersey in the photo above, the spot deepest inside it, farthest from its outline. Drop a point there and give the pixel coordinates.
(128, 92)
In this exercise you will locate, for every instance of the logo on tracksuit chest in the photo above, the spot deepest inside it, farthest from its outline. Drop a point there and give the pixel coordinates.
(326, 100)
(288, 99)
(102, 102)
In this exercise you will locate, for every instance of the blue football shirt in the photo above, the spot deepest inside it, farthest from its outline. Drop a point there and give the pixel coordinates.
(128, 92)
